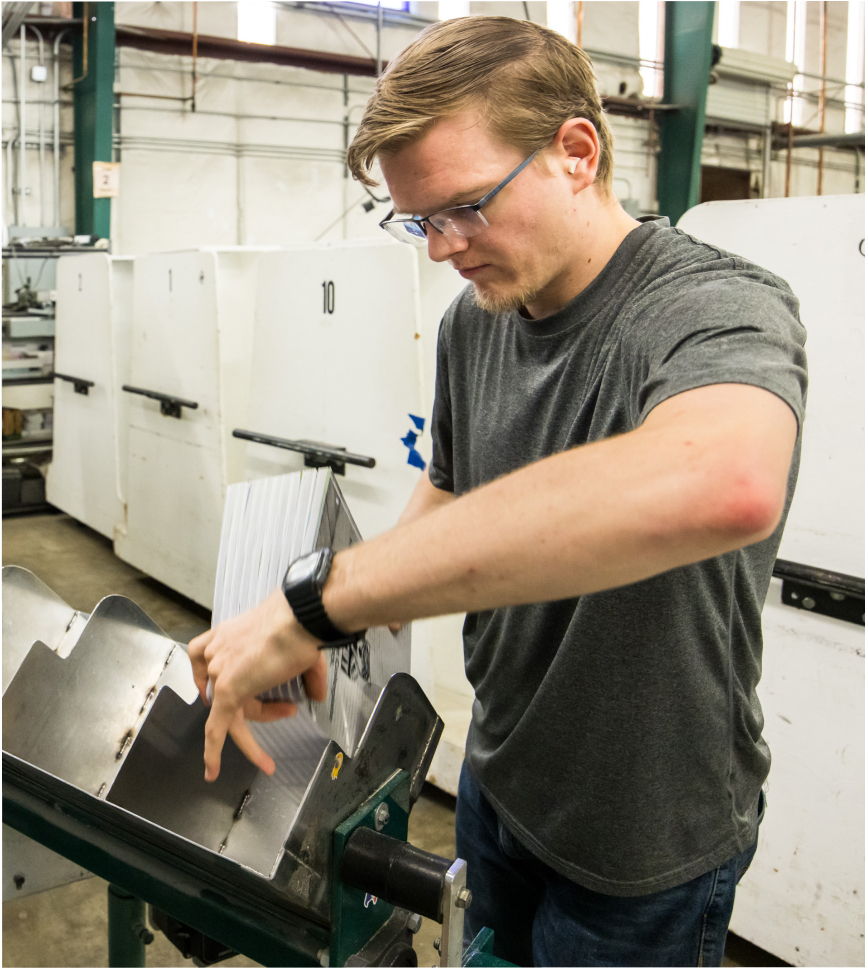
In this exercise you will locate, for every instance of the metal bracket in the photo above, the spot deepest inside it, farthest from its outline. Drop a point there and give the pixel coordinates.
(315, 454)
(457, 897)
(824, 592)
(80, 386)
(168, 406)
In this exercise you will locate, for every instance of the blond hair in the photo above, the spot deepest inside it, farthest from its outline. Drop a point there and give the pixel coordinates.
(524, 79)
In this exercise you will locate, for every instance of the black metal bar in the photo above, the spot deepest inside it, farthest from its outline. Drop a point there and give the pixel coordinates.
(81, 386)
(315, 454)
(823, 592)
(819, 577)
(168, 406)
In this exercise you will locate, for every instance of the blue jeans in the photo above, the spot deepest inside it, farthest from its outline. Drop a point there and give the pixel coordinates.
(542, 918)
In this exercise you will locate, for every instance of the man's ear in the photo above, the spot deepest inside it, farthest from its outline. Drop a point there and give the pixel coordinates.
(577, 148)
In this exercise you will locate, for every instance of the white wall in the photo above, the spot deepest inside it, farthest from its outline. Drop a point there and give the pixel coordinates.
(231, 174)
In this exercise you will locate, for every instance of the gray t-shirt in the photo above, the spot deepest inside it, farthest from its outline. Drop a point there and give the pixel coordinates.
(618, 735)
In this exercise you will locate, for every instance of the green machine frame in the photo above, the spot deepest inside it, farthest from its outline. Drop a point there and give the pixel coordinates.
(687, 65)
(93, 91)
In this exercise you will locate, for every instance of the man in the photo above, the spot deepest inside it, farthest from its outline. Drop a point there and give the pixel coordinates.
(615, 446)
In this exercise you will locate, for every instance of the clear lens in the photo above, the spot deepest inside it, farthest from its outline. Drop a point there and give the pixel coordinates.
(407, 232)
(462, 222)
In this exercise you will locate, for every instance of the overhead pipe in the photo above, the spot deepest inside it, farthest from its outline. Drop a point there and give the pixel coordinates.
(41, 131)
(822, 102)
(57, 40)
(22, 128)
(194, 51)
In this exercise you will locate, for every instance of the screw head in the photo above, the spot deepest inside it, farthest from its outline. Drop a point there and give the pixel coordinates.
(382, 815)
(808, 602)
(464, 898)
(437, 944)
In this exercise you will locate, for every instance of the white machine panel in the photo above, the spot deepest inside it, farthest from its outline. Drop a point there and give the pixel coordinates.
(86, 477)
(804, 896)
(192, 336)
(345, 347)
(816, 245)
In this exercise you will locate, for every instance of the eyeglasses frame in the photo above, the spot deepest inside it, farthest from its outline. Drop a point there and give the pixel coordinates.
(476, 206)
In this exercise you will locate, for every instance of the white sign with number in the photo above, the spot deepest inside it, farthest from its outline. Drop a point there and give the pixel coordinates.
(106, 179)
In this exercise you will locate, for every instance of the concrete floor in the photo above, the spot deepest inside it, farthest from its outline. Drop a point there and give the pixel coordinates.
(68, 926)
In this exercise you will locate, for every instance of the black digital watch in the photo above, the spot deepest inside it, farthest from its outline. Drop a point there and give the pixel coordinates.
(303, 586)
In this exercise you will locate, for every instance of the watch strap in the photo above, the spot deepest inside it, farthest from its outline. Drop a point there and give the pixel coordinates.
(304, 598)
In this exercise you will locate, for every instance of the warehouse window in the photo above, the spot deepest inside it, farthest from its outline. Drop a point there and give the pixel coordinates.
(855, 66)
(388, 4)
(448, 9)
(256, 22)
(652, 47)
(797, 21)
(728, 23)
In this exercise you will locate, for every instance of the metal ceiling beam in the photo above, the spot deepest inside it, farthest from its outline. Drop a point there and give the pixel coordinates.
(226, 48)
(687, 63)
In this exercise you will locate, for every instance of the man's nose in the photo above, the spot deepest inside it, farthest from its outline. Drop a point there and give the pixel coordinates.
(441, 247)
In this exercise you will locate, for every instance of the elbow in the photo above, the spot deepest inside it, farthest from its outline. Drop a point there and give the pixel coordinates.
(749, 507)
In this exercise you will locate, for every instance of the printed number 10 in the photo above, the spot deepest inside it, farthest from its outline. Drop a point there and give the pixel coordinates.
(328, 292)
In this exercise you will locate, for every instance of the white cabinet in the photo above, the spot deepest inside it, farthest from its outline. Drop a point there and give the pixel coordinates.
(804, 896)
(191, 347)
(86, 477)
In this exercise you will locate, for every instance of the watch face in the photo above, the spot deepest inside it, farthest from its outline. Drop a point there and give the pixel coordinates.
(303, 570)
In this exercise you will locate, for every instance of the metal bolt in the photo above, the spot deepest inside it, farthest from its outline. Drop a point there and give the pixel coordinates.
(808, 602)
(437, 944)
(837, 596)
(382, 815)
(414, 923)
(145, 936)
(464, 898)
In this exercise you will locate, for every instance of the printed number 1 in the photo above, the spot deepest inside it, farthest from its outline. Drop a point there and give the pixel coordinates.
(328, 291)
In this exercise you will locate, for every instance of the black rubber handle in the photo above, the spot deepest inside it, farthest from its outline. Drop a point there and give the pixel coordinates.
(81, 386)
(396, 872)
(325, 454)
(169, 406)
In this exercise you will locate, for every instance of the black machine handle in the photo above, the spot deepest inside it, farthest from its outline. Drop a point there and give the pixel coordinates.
(396, 872)
(314, 453)
(168, 406)
(81, 386)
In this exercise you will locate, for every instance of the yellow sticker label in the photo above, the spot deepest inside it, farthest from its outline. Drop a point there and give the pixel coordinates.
(337, 766)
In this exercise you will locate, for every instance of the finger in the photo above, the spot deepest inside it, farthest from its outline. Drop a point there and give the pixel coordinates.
(395, 627)
(195, 651)
(315, 680)
(215, 730)
(247, 745)
(267, 712)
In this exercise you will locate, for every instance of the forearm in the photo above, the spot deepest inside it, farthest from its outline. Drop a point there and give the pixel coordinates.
(597, 517)
(425, 498)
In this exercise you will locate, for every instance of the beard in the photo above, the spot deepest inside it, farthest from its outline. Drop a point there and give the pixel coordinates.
(504, 299)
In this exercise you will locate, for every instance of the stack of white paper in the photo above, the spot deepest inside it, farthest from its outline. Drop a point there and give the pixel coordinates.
(266, 525)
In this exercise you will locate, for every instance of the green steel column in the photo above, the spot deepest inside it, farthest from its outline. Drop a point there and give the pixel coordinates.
(127, 929)
(93, 110)
(687, 63)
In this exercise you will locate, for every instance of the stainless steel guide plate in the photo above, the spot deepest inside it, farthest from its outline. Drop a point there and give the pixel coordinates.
(115, 717)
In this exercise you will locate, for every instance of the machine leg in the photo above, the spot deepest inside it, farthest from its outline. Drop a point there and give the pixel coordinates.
(127, 929)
